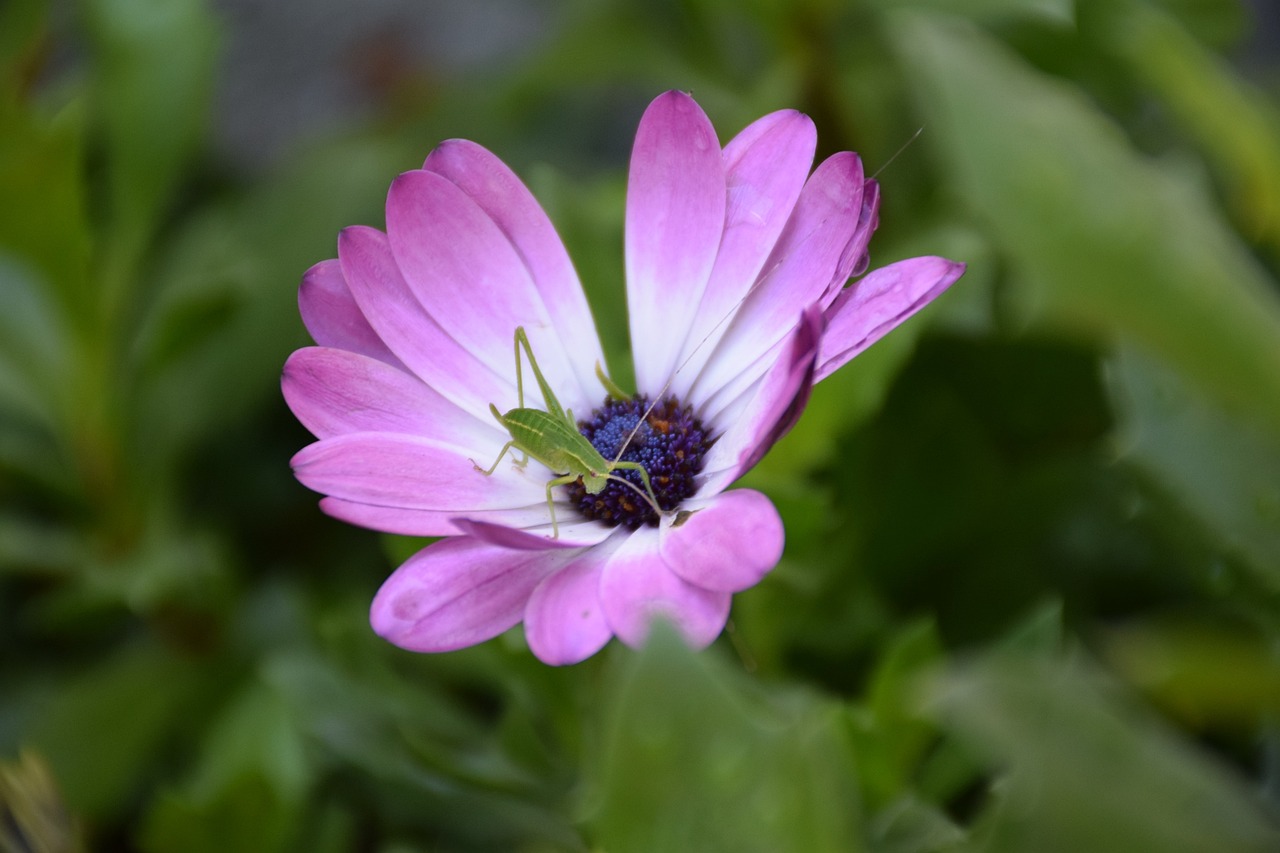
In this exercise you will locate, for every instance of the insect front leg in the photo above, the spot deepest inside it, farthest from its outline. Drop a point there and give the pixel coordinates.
(506, 447)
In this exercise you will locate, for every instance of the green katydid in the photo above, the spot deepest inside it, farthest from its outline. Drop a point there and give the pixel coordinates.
(552, 437)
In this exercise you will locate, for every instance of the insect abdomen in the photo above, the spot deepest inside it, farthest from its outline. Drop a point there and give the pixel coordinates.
(552, 442)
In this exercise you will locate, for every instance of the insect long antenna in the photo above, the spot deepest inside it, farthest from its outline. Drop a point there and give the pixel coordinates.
(898, 153)
(639, 491)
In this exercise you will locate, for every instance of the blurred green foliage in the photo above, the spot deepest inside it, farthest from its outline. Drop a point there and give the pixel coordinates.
(1031, 594)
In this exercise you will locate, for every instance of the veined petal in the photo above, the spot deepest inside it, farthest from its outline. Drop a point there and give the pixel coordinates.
(470, 279)
(574, 533)
(802, 268)
(728, 544)
(410, 472)
(872, 307)
(429, 522)
(772, 412)
(410, 332)
(564, 620)
(334, 391)
(675, 218)
(765, 169)
(333, 318)
(507, 201)
(636, 587)
(458, 592)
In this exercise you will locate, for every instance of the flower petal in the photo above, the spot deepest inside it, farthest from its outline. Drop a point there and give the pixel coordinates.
(508, 202)
(675, 218)
(410, 332)
(470, 279)
(411, 472)
(333, 391)
(457, 593)
(564, 621)
(637, 586)
(765, 169)
(429, 522)
(815, 249)
(574, 533)
(728, 545)
(872, 307)
(771, 412)
(333, 318)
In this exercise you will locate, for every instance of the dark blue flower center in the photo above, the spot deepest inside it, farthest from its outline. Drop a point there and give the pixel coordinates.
(671, 445)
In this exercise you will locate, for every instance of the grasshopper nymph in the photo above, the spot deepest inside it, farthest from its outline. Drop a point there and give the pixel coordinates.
(552, 438)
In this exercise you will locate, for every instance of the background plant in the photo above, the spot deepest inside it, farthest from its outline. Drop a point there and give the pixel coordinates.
(1029, 598)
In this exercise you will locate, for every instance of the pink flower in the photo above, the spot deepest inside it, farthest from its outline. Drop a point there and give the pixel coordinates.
(736, 265)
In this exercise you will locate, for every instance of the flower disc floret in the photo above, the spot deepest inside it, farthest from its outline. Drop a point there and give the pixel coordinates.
(668, 441)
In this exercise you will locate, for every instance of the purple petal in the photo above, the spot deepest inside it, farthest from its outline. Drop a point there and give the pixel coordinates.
(675, 217)
(771, 412)
(470, 279)
(728, 545)
(868, 310)
(637, 586)
(765, 169)
(582, 534)
(409, 472)
(429, 522)
(411, 333)
(333, 391)
(564, 621)
(508, 202)
(812, 254)
(857, 258)
(333, 318)
(457, 593)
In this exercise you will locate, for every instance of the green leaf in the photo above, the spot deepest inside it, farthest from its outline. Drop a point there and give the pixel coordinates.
(103, 731)
(692, 760)
(1222, 468)
(43, 228)
(1097, 238)
(1201, 673)
(249, 787)
(1236, 127)
(1081, 768)
(153, 63)
(889, 736)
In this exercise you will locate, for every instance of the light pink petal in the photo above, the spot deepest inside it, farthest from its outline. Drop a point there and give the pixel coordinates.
(400, 320)
(637, 586)
(857, 256)
(772, 412)
(727, 545)
(429, 522)
(333, 391)
(815, 250)
(675, 217)
(409, 472)
(868, 310)
(765, 169)
(506, 200)
(574, 533)
(457, 593)
(333, 318)
(470, 279)
(564, 621)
